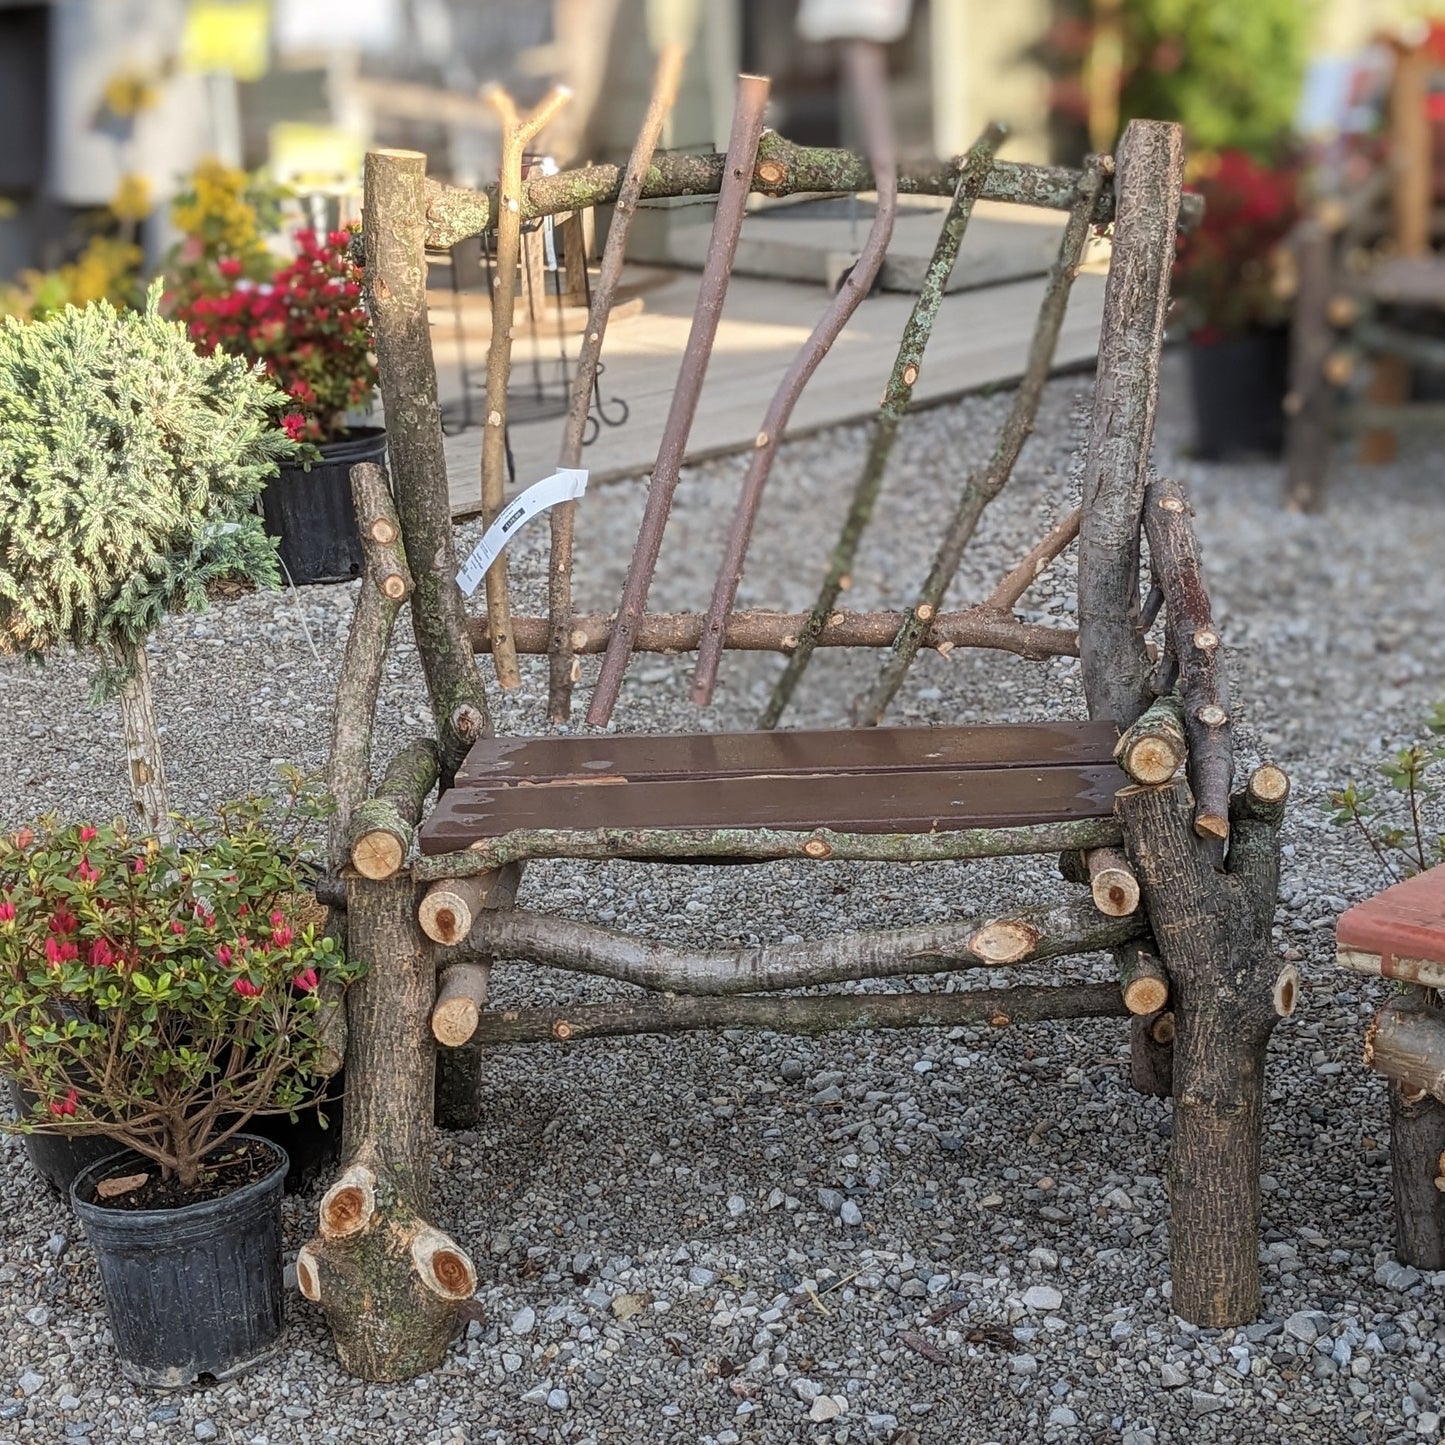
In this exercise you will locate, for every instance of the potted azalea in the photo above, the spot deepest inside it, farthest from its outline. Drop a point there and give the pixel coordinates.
(1232, 292)
(161, 996)
(305, 324)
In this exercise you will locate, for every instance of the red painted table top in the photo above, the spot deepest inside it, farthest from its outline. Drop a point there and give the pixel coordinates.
(1406, 921)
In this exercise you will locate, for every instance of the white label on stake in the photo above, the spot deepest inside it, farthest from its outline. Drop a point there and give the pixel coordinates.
(564, 485)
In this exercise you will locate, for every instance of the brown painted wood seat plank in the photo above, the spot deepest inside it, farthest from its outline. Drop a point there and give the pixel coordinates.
(890, 802)
(500, 762)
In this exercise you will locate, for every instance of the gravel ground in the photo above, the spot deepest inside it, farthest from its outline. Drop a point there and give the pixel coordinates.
(938, 1236)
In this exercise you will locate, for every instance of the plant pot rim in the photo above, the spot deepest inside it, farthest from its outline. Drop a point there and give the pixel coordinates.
(83, 1185)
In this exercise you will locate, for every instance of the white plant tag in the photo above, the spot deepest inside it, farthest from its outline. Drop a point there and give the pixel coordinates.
(564, 485)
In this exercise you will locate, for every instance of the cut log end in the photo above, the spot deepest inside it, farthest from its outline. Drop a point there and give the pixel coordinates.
(450, 907)
(1152, 760)
(1286, 991)
(442, 1266)
(349, 1205)
(308, 1277)
(1112, 882)
(1146, 996)
(1163, 1029)
(461, 997)
(1005, 940)
(1211, 825)
(1269, 784)
(377, 855)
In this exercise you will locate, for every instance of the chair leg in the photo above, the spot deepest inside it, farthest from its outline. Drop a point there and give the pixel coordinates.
(1417, 1141)
(1389, 386)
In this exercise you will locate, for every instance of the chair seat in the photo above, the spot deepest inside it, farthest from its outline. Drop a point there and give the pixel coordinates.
(863, 780)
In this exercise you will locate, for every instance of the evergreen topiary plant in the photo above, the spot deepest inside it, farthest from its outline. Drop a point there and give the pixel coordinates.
(129, 470)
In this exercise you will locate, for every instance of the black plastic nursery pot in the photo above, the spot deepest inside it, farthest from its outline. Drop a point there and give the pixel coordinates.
(1238, 385)
(310, 1144)
(310, 512)
(194, 1293)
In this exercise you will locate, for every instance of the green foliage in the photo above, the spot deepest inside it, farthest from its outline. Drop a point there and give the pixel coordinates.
(1229, 70)
(129, 469)
(1396, 822)
(163, 995)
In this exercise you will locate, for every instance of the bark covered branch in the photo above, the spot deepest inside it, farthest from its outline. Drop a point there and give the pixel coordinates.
(382, 827)
(780, 631)
(805, 1014)
(393, 233)
(866, 65)
(985, 484)
(782, 169)
(760, 844)
(1174, 552)
(1115, 663)
(897, 394)
(1028, 936)
(717, 269)
(564, 516)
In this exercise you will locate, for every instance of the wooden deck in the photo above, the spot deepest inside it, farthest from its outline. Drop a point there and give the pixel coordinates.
(980, 340)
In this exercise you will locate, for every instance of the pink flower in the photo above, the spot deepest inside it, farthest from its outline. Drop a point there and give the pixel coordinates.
(177, 926)
(306, 980)
(281, 937)
(102, 955)
(7, 912)
(277, 918)
(57, 952)
(66, 1106)
(246, 988)
(224, 955)
(86, 873)
(140, 865)
(62, 922)
(87, 834)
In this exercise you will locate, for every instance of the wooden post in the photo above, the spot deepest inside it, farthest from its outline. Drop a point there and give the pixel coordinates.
(517, 131)
(1310, 404)
(1115, 663)
(1417, 1173)
(390, 1283)
(394, 233)
(145, 765)
(1213, 931)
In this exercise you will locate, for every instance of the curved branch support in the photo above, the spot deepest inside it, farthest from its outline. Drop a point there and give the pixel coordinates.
(389, 1282)
(1213, 931)
(985, 484)
(897, 395)
(584, 378)
(712, 289)
(866, 64)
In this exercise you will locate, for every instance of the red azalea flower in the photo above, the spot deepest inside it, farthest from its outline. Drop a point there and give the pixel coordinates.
(101, 955)
(224, 955)
(177, 926)
(281, 937)
(7, 912)
(66, 1106)
(63, 922)
(246, 988)
(140, 866)
(229, 267)
(306, 980)
(87, 834)
(86, 873)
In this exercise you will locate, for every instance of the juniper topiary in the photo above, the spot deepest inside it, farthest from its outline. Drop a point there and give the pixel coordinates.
(129, 470)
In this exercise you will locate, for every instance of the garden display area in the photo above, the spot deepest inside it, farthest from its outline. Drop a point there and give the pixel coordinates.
(965, 1117)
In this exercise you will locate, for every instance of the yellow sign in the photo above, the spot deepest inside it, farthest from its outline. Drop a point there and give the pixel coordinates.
(315, 157)
(230, 37)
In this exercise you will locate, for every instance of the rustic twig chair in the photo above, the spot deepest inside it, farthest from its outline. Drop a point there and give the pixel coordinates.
(1179, 871)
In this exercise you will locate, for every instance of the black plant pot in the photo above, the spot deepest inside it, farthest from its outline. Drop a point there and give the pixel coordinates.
(310, 512)
(309, 1146)
(194, 1293)
(1239, 385)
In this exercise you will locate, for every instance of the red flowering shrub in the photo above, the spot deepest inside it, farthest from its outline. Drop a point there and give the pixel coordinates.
(306, 325)
(161, 995)
(1226, 278)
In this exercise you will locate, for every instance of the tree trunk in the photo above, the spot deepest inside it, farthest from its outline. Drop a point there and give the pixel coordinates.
(1310, 403)
(1213, 932)
(1417, 1148)
(389, 1282)
(145, 766)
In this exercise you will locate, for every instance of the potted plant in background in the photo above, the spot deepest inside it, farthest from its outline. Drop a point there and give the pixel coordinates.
(1232, 291)
(162, 996)
(306, 325)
